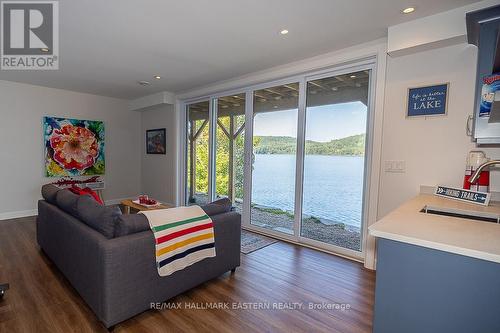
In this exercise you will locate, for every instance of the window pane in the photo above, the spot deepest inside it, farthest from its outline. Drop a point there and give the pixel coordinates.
(274, 157)
(336, 116)
(197, 153)
(230, 144)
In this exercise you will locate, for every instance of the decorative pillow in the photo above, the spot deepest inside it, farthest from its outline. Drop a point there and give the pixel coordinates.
(66, 200)
(49, 192)
(217, 207)
(130, 224)
(98, 217)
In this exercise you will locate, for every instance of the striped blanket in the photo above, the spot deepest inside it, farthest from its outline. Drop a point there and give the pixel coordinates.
(183, 235)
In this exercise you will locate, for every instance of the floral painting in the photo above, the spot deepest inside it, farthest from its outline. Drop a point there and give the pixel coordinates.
(73, 147)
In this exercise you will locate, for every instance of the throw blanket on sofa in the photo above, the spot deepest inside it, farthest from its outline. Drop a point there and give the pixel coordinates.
(183, 235)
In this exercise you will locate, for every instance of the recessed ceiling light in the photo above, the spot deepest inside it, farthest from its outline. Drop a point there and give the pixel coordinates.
(44, 49)
(157, 77)
(144, 83)
(353, 76)
(408, 10)
(284, 32)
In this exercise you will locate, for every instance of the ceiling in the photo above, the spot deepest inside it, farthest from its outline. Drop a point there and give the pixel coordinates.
(107, 46)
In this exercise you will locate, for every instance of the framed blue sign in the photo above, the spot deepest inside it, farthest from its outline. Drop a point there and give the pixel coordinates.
(427, 100)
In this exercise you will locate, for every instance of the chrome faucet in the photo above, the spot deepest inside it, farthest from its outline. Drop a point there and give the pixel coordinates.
(475, 175)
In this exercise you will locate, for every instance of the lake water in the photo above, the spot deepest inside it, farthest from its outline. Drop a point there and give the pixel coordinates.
(332, 185)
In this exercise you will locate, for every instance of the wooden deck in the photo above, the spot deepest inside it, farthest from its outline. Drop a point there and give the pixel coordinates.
(40, 299)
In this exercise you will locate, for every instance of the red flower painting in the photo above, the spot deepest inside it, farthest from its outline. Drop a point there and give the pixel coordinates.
(74, 147)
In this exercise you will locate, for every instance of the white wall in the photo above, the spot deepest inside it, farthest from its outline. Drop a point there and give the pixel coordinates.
(442, 29)
(21, 142)
(434, 148)
(159, 171)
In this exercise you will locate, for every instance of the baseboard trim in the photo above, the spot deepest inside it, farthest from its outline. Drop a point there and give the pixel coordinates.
(18, 214)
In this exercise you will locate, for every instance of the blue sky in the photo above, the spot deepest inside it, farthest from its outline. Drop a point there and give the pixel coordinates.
(323, 123)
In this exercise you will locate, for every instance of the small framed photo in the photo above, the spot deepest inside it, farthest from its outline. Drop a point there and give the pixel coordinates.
(428, 100)
(156, 141)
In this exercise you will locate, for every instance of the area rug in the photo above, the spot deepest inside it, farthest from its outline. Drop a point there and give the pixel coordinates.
(251, 242)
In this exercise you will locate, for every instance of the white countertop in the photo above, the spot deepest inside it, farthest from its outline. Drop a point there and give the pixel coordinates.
(477, 239)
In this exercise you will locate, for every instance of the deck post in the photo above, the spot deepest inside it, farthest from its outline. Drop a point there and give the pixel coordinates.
(230, 190)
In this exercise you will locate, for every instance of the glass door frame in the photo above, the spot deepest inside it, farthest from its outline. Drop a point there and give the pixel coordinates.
(184, 144)
(212, 127)
(371, 67)
(370, 64)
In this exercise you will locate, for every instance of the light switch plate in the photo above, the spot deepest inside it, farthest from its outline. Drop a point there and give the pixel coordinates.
(395, 166)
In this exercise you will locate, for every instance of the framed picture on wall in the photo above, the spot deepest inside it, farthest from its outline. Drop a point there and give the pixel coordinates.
(156, 141)
(429, 100)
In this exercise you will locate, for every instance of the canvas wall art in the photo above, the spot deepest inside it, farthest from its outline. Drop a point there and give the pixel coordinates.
(73, 147)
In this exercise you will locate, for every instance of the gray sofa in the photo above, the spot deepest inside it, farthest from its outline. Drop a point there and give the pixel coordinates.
(115, 273)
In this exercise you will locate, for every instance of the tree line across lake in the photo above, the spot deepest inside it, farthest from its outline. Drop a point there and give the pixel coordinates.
(351, 146)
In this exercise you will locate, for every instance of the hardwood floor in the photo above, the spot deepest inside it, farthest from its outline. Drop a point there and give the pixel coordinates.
(40, 299)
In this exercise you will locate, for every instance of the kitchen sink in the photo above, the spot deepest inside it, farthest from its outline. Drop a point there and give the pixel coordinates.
(464, 214)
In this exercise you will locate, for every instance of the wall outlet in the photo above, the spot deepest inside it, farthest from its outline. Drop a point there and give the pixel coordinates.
(395, 166)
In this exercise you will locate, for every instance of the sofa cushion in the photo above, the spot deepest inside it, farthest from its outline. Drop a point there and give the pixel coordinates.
(86, 191)
(49, 193)
(130, 224)
(98, 217)
(66, 200)
(217, 207)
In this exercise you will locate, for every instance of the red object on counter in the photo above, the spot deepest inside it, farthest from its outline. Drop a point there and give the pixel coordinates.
(474, 159)
(484, 180)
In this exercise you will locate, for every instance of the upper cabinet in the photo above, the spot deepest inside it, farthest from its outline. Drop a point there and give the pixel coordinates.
(483, 30)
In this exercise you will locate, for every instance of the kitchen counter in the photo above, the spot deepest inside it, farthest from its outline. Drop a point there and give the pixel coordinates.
(437, 273)
(477, 239)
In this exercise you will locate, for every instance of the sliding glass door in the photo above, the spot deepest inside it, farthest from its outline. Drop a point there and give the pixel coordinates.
(334, 162)
(275, 112)
(302, 173)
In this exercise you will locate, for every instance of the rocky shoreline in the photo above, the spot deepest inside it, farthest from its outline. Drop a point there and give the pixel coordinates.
(323, 230)
(327, 231)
